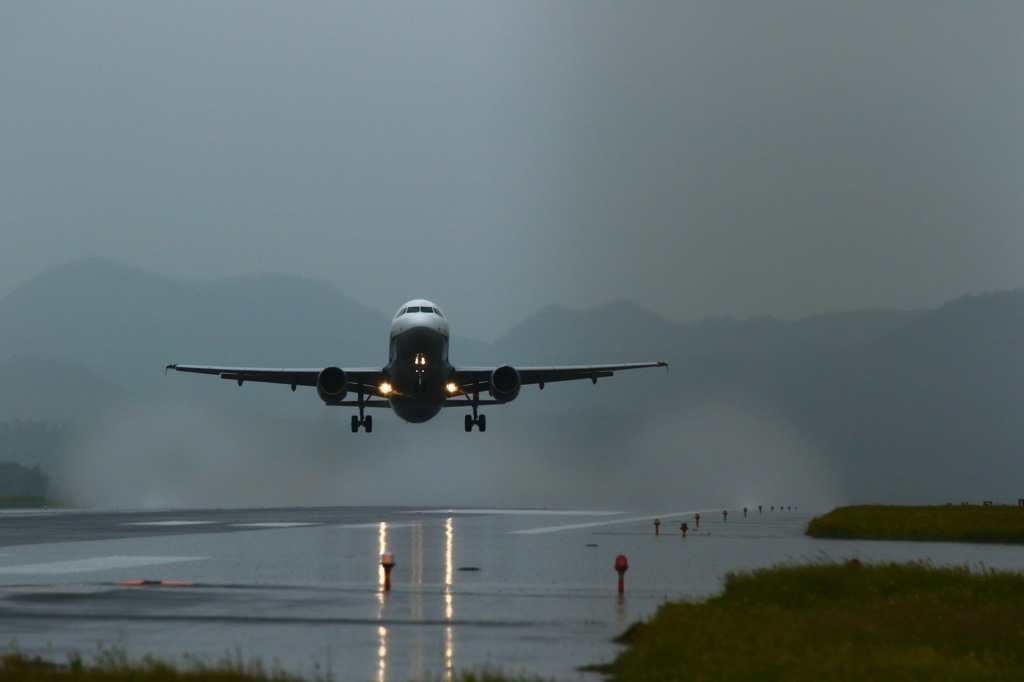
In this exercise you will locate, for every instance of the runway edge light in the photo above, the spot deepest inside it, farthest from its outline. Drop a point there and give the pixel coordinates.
(387, 562)
(621, 566)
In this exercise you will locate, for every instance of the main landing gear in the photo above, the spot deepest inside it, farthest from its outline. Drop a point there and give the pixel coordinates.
(475, 420)
(365, 422)
(357, 421)
(480, 422)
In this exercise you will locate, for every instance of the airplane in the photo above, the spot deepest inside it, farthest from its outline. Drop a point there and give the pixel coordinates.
(418, 380)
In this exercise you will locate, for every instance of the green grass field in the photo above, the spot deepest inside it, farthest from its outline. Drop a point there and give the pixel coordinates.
(23, 502)
(18, 668)
(837, 622)
(112, 664)
(115, 667)
(953, 523)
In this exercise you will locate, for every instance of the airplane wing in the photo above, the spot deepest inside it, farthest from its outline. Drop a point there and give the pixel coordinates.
(365, 380)
(478, 379)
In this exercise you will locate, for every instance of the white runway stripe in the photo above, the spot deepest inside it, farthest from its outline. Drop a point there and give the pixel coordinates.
(170, 523)
(517, 512)
(595, 524)
(96, 564)
(274, 524)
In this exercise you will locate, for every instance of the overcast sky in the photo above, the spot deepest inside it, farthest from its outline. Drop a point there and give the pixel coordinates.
(780, 158)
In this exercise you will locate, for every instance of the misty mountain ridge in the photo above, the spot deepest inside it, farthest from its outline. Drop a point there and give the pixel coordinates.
(86, 309)
(884, 398)
(127, 322)
(103, 315)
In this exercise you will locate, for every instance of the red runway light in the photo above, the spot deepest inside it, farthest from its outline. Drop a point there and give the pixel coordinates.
(621, 566)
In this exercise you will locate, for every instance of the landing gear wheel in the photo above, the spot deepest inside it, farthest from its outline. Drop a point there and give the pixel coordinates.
(481, 423)
(365, 422)
(469, 423)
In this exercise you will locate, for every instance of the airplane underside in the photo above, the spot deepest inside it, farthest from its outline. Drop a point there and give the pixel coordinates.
(416, 413)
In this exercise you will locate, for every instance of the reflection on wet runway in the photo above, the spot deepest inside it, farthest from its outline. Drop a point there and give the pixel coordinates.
(449, 599)
(382, 631)
(416, 563)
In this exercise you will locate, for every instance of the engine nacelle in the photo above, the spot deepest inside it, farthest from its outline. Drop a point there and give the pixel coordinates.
(505, 383)
(332, 385)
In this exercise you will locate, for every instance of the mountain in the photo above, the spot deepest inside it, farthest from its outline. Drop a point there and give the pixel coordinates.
(938, 403)
(127, 324)
(898, 406)
(608, 333)
(902, 406)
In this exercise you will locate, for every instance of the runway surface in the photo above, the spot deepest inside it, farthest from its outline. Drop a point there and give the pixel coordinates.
(521, 590)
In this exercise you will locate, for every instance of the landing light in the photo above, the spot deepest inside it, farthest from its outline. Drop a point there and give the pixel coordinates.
(452, 387)
(385, 388)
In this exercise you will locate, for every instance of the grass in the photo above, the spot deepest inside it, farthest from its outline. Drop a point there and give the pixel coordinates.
(837, 622)
(113, 665)
(23, 502)
(941, 523)
(18, 668)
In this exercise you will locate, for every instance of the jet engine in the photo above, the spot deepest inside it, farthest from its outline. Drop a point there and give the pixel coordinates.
(505, 384)
(332, 385)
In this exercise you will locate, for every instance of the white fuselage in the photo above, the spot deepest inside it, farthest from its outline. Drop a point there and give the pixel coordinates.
(418, 370)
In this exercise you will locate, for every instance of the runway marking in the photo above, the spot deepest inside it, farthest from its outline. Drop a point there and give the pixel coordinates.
(517, 512)
(374, 526)
(169, 523)
(275, 524)
(96, 564)
(596, 524)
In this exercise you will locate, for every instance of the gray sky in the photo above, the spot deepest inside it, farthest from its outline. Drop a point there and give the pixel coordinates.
(780, 158)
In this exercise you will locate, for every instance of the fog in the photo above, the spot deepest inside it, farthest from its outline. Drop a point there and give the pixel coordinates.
(169, 455)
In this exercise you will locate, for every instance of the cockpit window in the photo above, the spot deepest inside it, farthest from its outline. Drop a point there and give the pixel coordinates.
(420, 309)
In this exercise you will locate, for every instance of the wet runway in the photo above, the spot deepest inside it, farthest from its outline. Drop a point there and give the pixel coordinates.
(519, 590)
